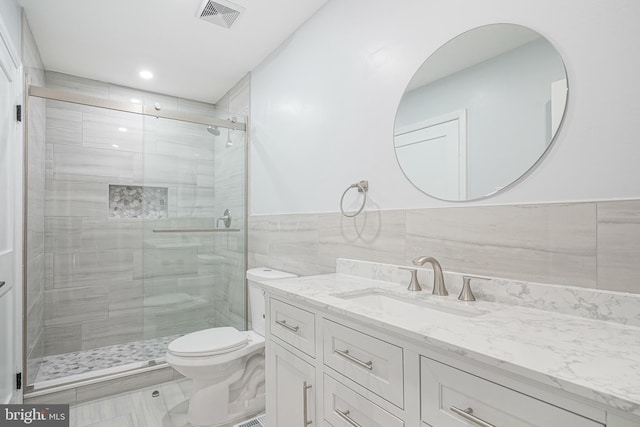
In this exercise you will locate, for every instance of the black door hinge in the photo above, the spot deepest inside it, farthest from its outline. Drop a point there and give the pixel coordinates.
(19, 113)
(19, 381)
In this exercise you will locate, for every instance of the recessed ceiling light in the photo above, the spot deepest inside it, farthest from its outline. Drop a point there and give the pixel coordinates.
(146, 74)
(122, 129)
(135, 101)
(115, 146)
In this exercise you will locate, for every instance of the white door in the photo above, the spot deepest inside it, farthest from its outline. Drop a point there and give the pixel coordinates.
(432, 154)
(558, 105)
(10, 221)
(293, 390)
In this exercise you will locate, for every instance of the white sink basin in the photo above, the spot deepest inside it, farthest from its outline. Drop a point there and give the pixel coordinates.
(412, 308)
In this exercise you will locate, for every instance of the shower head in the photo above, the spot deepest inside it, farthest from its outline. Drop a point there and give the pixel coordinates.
(213, 130)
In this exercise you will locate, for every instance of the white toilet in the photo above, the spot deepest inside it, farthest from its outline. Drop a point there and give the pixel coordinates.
(226, 365)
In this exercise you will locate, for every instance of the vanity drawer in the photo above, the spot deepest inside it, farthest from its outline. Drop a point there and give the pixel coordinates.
(294, 326)
(343, 406)
(370, 362)
(445, 390)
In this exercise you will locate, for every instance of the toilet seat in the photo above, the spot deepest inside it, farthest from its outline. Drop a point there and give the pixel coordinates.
(208, 342)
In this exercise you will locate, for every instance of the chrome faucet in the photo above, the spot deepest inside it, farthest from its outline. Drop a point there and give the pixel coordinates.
(438, 279)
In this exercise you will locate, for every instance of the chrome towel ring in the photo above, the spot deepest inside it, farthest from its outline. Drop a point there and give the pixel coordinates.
(363, 187)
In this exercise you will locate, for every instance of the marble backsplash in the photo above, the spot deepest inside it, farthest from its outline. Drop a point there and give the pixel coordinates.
(609, 306)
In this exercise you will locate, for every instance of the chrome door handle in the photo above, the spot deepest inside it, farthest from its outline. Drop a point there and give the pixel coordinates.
(345, 353)
(345, 416)
(284, 324)
(466, 414)
(305, 414)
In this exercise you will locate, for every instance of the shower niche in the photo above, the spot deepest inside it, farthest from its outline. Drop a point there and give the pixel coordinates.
(136, 201)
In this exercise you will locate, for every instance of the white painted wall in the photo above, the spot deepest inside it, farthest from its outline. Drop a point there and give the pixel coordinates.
(323, 105)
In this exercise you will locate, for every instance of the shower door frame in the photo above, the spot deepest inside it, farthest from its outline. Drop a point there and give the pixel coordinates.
(144, 110)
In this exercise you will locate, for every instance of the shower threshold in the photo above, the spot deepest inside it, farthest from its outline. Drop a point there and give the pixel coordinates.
(85, 364)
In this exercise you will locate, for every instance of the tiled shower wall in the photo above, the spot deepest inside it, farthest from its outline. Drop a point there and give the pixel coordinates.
(35, 205)
(113, 280)
(593, 245)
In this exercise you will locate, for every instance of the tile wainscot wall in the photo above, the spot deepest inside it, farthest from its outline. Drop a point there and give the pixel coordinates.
(592, 245)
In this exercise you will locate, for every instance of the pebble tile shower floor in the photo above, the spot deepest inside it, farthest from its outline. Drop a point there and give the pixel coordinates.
(81, 362)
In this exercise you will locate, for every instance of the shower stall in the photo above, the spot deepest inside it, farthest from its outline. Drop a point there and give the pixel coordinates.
(135, 227)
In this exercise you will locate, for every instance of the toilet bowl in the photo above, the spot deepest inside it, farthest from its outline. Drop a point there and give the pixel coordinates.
(226, 365)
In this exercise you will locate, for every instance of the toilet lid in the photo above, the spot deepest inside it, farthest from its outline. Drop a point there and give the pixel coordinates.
(208, 342)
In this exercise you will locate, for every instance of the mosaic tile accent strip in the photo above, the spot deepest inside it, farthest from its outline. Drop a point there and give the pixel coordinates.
(81, 362)
(131, 201)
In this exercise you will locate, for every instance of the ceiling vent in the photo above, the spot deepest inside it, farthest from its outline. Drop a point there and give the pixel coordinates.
(219, 12)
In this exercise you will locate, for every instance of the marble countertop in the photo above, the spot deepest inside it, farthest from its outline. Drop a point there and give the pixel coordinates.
(591, 358)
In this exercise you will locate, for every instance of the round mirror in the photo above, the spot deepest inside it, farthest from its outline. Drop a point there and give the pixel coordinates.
(480, 112)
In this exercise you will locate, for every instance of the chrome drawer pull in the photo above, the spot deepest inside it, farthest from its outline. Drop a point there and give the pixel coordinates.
(289, 327)
(305, 415)
(466, 414)
(345, 353)
(345, 416)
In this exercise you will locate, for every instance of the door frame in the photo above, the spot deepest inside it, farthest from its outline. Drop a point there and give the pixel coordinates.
(461, 117)
(11, 65)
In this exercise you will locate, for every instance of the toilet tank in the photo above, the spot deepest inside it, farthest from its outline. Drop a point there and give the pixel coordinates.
(257, 301)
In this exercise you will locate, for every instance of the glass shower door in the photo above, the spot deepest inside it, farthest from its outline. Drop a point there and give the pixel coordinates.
(191, 264)
(123, 249)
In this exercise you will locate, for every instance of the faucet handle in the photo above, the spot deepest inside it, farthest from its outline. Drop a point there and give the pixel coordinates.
(414, 285)
(466, 294)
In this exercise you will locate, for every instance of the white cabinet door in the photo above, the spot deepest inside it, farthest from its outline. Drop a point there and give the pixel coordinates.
(10, 221)
(292, 402)
(294, 326)
(345, 407)
(453, 398)
(372, 363)
(619, 421)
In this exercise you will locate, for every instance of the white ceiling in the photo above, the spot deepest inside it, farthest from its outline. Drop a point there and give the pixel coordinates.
(112, 40)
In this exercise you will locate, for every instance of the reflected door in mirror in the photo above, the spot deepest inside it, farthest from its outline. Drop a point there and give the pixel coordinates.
(433, 154)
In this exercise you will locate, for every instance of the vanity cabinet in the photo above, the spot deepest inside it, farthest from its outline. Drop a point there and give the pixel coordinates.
(343, 406)
(293, 391)
(293, 325)
(370, 362)
(453, 398)
(619, 421)
(326, 369)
